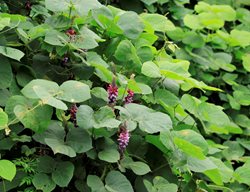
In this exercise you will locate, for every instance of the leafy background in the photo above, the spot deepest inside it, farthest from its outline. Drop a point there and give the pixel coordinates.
(188, 64)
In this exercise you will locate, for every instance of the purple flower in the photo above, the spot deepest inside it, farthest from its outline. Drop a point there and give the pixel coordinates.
(123, 140)
(112, 93)
(129, 98)
(73, 111)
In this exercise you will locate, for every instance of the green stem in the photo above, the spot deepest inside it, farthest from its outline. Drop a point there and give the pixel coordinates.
(137, 157)
(104, 172)
(4, 188)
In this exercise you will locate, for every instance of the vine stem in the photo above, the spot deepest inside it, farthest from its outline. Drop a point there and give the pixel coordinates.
(4, 188)
(104, 172)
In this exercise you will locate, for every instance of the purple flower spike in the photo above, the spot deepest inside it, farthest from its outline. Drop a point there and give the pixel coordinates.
(73, 111)
(123, 140)
(129, 98)
(112, 93)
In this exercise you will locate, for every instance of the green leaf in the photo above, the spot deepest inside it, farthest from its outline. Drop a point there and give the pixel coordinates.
(43, 182)
(7, 170)
(79, 140)
(85, 117)
(132, 30)
(200, 166)
(48, 99)
(4, 22)
(6, 75)
(192, 21)
(189, 148)
(74, 92)
(192, 137)
(37, 119)
(43, 162)
(110, 155)
(49, 86)
(54, 138)
(158, 22)
(234, 151)
(242, 174)
(149, 120)
(57, 5)
(151, 70)
(63, 173)
(11, 53)
(3, 119)
(139, 168)
(95, 183)
(117, 182)
(246, 62)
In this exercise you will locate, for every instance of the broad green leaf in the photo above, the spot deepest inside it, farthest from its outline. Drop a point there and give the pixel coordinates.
(95, 183)
(246, 62)
(126, 52)
(3, 119)
(11, 53)
(234, 151)
(225, 172)
(215, 176)
(4, 22)
(57, 5)
(43, 182)
(43, 162)
(51, 87)
(117, 182)
(212, 113)
(193, 39)
(158, 22)
(189, 148)
(7, 169)
(242, 174)
(165, 97)
(192, 137)
(48, 99)
(192, 21)
(162, 184)
(149, 2)
(58, 146)
(37, 119)
(63, 173)
(79, 140)
(139, 168)
(85, 117)
(6, 75)
(239, 38)
(105, 117)
(149, 120)
(151, 70)
(200, 166)
(132, 30)
(109, 155)
(54, 138)
(74, 92)
(100, 92)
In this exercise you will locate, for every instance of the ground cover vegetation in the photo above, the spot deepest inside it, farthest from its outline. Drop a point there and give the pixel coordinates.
(123, 96)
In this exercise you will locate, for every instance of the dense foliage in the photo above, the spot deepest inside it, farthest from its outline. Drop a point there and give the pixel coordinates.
(123, 96)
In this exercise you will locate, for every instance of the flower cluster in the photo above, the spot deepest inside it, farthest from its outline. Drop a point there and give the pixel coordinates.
(129, 98)
(123, 140)
(73, 111)
(112, 93)
(71, 32)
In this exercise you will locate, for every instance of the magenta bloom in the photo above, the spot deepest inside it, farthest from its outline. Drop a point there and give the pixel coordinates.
(112, 93)
(129, 98)
(73, 111)
(123, 140)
